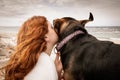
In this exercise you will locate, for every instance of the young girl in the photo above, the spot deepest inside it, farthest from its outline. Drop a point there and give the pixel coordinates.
(31, 59)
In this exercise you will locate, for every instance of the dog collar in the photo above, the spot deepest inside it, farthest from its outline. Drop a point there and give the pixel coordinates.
(66, 39)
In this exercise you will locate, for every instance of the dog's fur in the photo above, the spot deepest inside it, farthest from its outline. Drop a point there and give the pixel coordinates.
(84, 57)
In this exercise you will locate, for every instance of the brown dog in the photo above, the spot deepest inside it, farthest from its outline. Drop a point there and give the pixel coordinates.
(83, 56)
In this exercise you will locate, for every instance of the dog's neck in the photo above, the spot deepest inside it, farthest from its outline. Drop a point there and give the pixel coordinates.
(66, 39)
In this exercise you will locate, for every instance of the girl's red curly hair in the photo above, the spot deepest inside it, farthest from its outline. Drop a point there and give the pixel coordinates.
(30, 43)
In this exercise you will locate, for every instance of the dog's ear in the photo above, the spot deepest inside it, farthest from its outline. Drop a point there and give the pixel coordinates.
(83, 22)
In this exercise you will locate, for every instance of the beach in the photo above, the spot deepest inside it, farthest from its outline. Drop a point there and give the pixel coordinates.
(8, 39)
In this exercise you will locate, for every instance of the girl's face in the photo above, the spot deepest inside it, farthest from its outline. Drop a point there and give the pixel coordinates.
(52, 36)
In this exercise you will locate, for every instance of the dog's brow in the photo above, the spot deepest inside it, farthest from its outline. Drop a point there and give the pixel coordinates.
(63, 26)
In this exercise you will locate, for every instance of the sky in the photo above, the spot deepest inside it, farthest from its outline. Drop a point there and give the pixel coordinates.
(15, 12)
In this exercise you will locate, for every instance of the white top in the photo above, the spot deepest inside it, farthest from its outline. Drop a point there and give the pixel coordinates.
(44, 70)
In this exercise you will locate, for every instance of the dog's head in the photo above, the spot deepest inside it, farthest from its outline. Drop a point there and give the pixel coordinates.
(67, 25)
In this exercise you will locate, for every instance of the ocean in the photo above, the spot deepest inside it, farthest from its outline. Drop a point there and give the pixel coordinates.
(99, 32)
(105, 32)
(8, 29)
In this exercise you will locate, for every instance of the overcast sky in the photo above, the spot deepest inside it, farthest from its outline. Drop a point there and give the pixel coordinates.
(15, 12)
